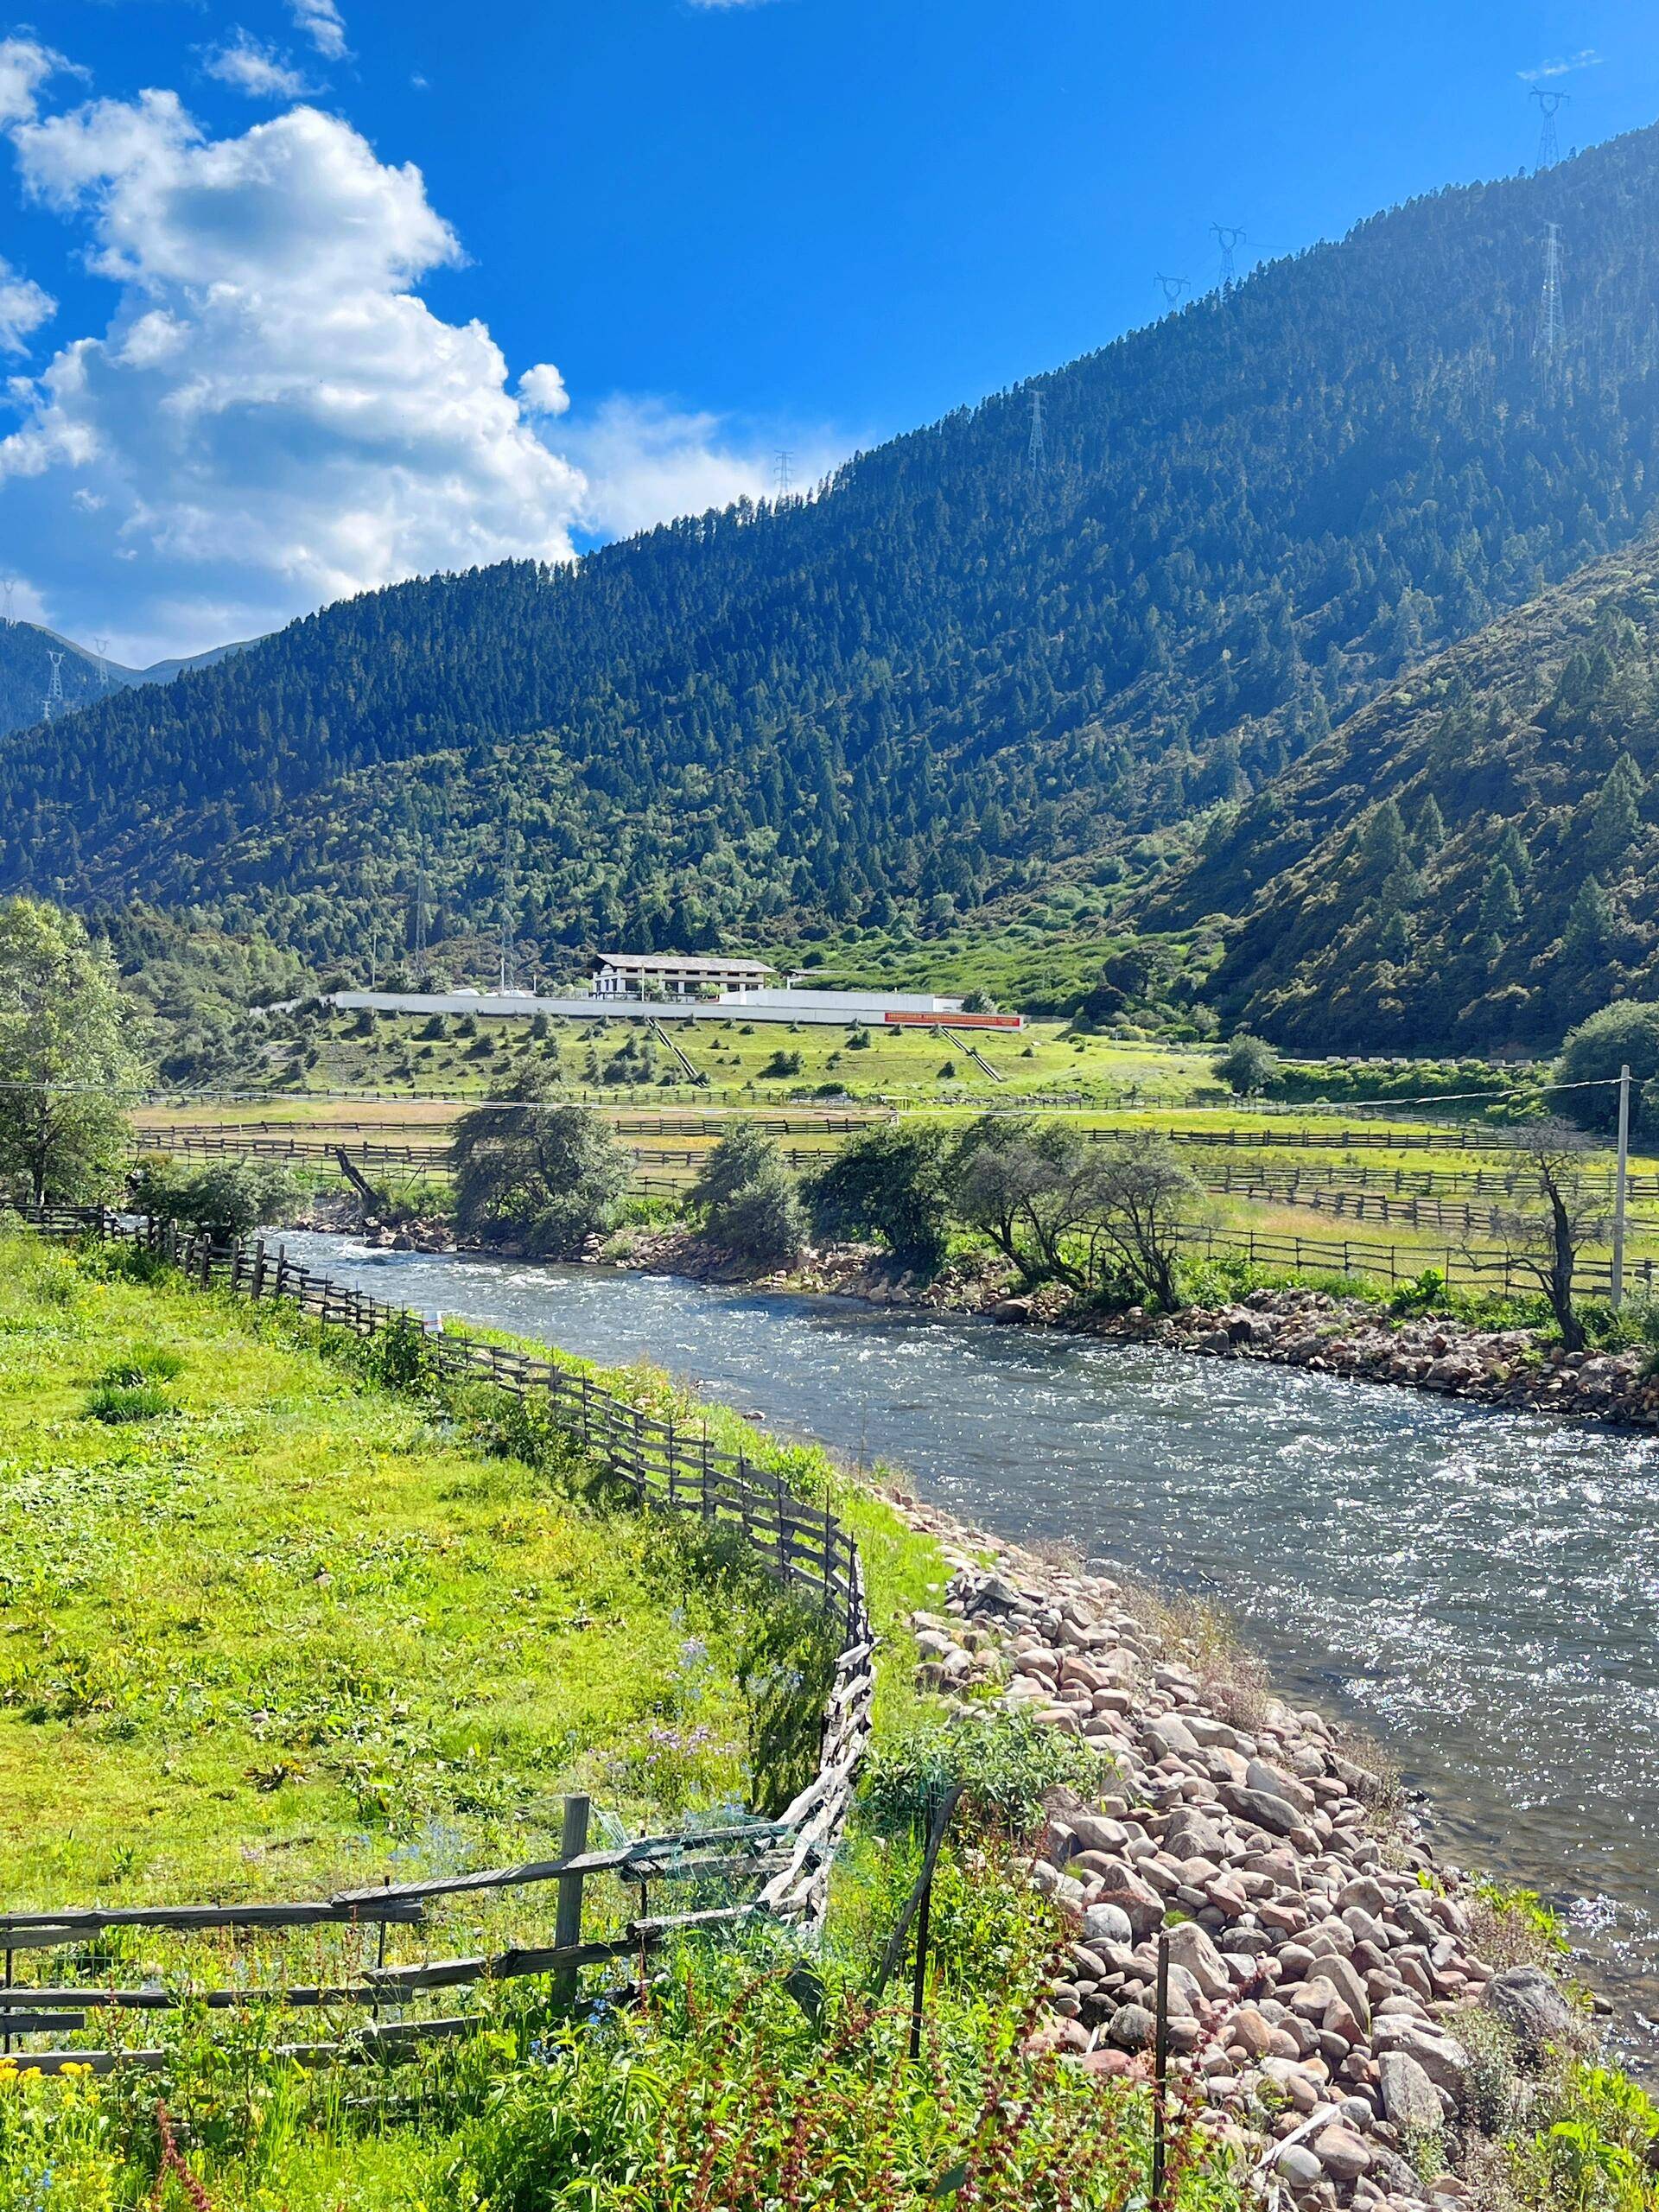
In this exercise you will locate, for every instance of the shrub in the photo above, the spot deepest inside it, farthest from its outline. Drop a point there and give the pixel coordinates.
(1625, 1033)
(890, 1185)
(230, 1198)
(1247, 1066)
(783, 1064)
(1004, 1762)
(747, 1199)
(549, 1174)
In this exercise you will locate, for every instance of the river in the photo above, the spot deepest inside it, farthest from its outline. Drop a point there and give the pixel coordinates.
(1479, 1589)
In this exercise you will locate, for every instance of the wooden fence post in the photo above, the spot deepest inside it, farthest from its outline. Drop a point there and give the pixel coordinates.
(567, 1926)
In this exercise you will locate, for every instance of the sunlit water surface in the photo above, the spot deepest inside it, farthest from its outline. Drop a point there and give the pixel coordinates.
(1479, 1589)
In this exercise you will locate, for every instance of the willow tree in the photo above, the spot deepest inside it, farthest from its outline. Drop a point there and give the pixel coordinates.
(65, 1068)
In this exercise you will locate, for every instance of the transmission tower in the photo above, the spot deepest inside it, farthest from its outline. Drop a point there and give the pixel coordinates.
(1227, 238)
(101, 647)
(782, 468)
(1549, 102)
(1037, 444)
(1171, 287)
(1551, 327)
(54, 698)
(8, 587)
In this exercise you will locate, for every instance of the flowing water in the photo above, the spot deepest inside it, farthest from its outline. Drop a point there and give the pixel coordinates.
(1481, 1589)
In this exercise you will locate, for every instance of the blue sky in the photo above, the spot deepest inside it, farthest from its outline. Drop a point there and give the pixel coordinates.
(273, 272)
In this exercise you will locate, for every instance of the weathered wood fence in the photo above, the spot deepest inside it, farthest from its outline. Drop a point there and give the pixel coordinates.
(668, 1466)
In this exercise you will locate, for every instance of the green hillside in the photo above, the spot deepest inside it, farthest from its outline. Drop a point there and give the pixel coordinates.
(946, 676)
(1470, 862)
(26, 653)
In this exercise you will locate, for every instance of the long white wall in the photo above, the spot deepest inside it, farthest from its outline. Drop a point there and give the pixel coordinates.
(829, 1008)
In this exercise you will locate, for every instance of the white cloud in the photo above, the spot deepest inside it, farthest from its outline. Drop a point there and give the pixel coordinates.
(1561, 65)
(541, 390)
(243, 62)
(273, 418)
(644, 461)
(321, 21)
(23, 307)
(25, 64)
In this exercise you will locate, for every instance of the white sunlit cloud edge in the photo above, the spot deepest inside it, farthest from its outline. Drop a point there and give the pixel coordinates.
(272, 417)
(1561, 65)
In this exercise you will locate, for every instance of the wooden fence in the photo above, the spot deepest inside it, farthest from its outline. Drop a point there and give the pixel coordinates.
(1397, 1263)
(667, 1466)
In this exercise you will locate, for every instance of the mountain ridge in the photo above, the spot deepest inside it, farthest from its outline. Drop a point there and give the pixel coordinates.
(948, 678)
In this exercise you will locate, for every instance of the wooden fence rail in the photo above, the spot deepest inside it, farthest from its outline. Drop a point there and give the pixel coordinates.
(667, 1466)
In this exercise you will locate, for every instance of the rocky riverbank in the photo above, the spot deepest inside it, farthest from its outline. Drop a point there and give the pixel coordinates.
(1310, 1329)
(1354, 2014)
(1292, 1327)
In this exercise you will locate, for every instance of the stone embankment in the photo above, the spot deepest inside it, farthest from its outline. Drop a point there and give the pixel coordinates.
(1329, 1336)
(1335, 2003)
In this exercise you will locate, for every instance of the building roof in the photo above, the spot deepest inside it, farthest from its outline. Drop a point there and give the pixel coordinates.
(680, 962)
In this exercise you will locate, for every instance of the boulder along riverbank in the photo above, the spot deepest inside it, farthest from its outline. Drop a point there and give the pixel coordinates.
(1353, 2013)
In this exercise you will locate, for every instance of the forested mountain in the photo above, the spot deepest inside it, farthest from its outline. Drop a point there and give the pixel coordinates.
(949, 672)
(1472, 862)
(26, 653)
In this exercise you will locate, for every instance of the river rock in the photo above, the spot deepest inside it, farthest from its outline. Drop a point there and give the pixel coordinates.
(1132, 2028)
(1531, 2006)
(1107, 1923)
(1189, 1947)
(1298, 2166)
(1410, 2101)
(1343, 2155)
(1276, 1814)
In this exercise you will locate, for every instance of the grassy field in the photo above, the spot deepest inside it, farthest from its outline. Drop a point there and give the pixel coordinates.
(272, 1624)
(462, 1054)
(268, 1626)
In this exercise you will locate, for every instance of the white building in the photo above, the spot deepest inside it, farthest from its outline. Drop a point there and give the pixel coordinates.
(675, 974)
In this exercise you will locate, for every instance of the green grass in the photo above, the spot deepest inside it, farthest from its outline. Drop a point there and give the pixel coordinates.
(288, 1629)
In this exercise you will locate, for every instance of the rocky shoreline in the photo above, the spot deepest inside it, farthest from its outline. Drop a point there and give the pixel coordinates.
(1309, 1329)
(1291, 1328)
(1353, 2015)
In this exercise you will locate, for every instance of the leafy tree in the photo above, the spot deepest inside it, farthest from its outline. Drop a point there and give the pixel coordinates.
(65, 1068)
(232, 1198)
(1077, 1213)
(548, 1175)
(1625, 1034)
(1248, 1067)
(748, 1200)
(1547, 1236)
(889, 1185)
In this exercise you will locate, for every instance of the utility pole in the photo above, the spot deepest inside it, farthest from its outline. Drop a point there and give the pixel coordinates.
(1621, 1184)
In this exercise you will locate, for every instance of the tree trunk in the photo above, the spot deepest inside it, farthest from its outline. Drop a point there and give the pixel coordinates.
(1560, 1279)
